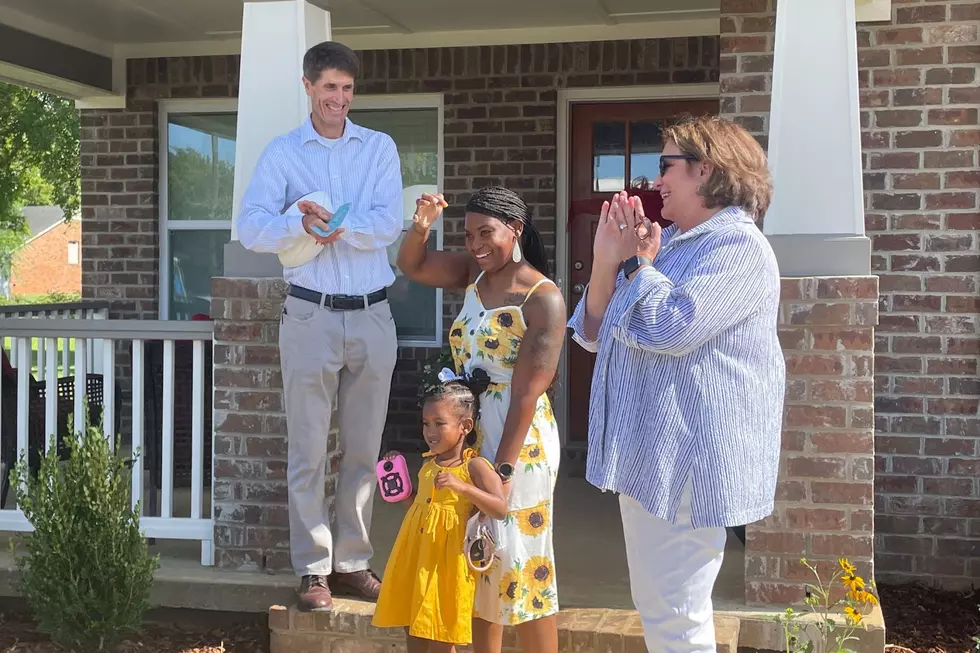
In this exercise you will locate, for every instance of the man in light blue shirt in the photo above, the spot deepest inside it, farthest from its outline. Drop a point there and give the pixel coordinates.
(337, 340)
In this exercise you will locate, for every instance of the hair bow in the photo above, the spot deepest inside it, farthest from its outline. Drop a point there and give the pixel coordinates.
(446, 375)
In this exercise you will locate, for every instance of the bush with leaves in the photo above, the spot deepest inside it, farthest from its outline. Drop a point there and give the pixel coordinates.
(87, 571)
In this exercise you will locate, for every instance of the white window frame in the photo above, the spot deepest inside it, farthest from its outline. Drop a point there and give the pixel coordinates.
(167, 107)
(418, 101)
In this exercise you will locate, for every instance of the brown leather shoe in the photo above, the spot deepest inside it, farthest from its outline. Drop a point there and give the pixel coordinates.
(314, 594)
(361, 584)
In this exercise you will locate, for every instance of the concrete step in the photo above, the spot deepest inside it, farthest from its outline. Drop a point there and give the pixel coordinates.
(348, 627)
(726, 633)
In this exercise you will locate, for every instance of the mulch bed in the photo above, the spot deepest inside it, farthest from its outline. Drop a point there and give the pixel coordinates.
(198, 632)
(928, 620)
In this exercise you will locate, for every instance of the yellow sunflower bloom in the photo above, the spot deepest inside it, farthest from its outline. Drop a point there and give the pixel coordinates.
(532, 453)
(846, 566)
(508, 320)
(852, 582)
(863, 596)
(539, 573)
(538, 604)
(510, 586)
(493, 346)
(534, 521)
(853, 616)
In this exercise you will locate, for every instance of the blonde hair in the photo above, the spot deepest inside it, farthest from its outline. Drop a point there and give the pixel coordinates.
(740, 176)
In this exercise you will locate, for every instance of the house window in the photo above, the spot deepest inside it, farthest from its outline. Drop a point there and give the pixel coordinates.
(197, 181)
(72, 252)
(197, 186)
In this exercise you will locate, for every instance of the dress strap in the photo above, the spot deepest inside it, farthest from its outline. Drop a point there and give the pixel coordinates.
(478, 277)
(535, 287)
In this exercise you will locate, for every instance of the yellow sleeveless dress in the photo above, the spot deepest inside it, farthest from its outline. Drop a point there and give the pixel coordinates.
(427, 585)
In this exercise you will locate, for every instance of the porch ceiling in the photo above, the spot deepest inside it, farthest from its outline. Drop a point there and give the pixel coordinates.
(111, 23)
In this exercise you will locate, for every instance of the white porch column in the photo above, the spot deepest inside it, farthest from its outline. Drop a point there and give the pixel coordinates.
(271, 101)
(816, 221)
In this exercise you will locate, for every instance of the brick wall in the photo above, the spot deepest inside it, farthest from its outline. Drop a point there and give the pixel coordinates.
(824, 501)
(919, 95)
(919, 98)
(42, 266)
(250, 504)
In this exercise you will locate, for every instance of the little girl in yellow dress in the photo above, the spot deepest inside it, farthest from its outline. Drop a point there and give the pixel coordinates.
(428, 585)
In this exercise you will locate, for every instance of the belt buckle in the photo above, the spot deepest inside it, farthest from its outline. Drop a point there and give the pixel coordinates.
(330, 303)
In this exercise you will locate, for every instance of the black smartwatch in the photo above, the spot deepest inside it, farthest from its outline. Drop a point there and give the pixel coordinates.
(505, 471)
(631, 264)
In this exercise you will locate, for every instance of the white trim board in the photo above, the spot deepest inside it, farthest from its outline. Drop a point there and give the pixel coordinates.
(566, 98)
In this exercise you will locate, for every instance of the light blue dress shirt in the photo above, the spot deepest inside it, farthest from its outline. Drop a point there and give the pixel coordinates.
(362, 168)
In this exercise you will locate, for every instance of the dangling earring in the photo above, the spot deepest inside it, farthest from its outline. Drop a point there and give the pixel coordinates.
(517, 252)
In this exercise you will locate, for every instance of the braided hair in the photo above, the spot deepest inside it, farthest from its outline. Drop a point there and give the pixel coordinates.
(507, 206)
(464, 393)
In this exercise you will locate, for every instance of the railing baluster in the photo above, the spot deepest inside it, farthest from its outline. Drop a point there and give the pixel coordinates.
(51, 392)
(65, 347)
(80, 422)
(167, 498)
(109, 391)
(97, 349)
(197, 430)
(23, 394)
(42, 369)
(138, 401)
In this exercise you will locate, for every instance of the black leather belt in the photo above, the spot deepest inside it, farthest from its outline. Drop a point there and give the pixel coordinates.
(338, 302)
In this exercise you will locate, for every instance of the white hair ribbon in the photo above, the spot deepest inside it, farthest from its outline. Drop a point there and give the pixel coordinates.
(447, 375)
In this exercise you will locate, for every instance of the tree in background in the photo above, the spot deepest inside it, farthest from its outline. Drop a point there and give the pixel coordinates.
(39, 161)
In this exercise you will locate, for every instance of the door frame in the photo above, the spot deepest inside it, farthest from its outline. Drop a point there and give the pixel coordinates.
(566, 98)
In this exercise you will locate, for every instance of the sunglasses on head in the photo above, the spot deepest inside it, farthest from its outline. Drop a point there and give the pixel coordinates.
(679, 157)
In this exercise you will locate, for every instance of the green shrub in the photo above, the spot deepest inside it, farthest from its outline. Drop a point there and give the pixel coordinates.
(87, 572)
(430, 371)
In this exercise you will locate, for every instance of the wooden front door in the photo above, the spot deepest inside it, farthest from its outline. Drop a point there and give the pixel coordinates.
(613, 147)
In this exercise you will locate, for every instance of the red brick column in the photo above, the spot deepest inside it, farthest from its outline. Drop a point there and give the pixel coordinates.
(251, 522)
(825, 497)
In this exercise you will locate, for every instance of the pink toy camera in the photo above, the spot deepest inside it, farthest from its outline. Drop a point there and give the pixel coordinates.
(393, 479)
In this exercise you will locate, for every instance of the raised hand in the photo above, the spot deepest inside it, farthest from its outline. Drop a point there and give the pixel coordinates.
(428, 208)
(616, 239)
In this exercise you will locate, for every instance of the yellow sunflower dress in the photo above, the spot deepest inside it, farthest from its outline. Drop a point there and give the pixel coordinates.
(520, 586)
(427, 585)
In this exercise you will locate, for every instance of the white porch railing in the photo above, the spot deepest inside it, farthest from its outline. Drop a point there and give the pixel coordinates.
(44, 335)
(73, 310)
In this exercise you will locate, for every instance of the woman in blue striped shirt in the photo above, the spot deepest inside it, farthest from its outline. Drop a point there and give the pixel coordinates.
(687, 393)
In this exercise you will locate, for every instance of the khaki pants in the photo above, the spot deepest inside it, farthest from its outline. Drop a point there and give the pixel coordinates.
(342, 358)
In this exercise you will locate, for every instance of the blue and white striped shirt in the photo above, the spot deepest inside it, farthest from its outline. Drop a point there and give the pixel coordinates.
(360, 167)
(689, 377)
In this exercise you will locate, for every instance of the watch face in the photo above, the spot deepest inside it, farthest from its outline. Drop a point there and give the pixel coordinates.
(505, 469)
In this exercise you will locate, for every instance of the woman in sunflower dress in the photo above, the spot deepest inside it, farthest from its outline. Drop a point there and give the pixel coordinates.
(509, 303)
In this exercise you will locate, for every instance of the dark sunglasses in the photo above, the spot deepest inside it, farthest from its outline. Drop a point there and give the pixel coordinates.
(679, 157)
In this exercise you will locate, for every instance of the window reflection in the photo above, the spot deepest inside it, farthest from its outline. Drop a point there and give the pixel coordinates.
(200, 165)
(608, 156)
(646, 146)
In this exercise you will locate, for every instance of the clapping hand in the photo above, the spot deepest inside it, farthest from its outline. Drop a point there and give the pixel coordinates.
(315, 215)
(624, 231)
(428, 208)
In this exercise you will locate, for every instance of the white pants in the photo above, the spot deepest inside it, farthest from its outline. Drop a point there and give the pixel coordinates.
(673, 568)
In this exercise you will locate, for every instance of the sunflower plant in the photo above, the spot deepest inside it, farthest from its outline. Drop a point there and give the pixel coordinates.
(829, 634)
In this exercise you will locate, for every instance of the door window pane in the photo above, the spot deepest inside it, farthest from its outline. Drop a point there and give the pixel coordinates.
(200, 165)
(414, 307)
(196, 255)
(608, 156)
(645, 148)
